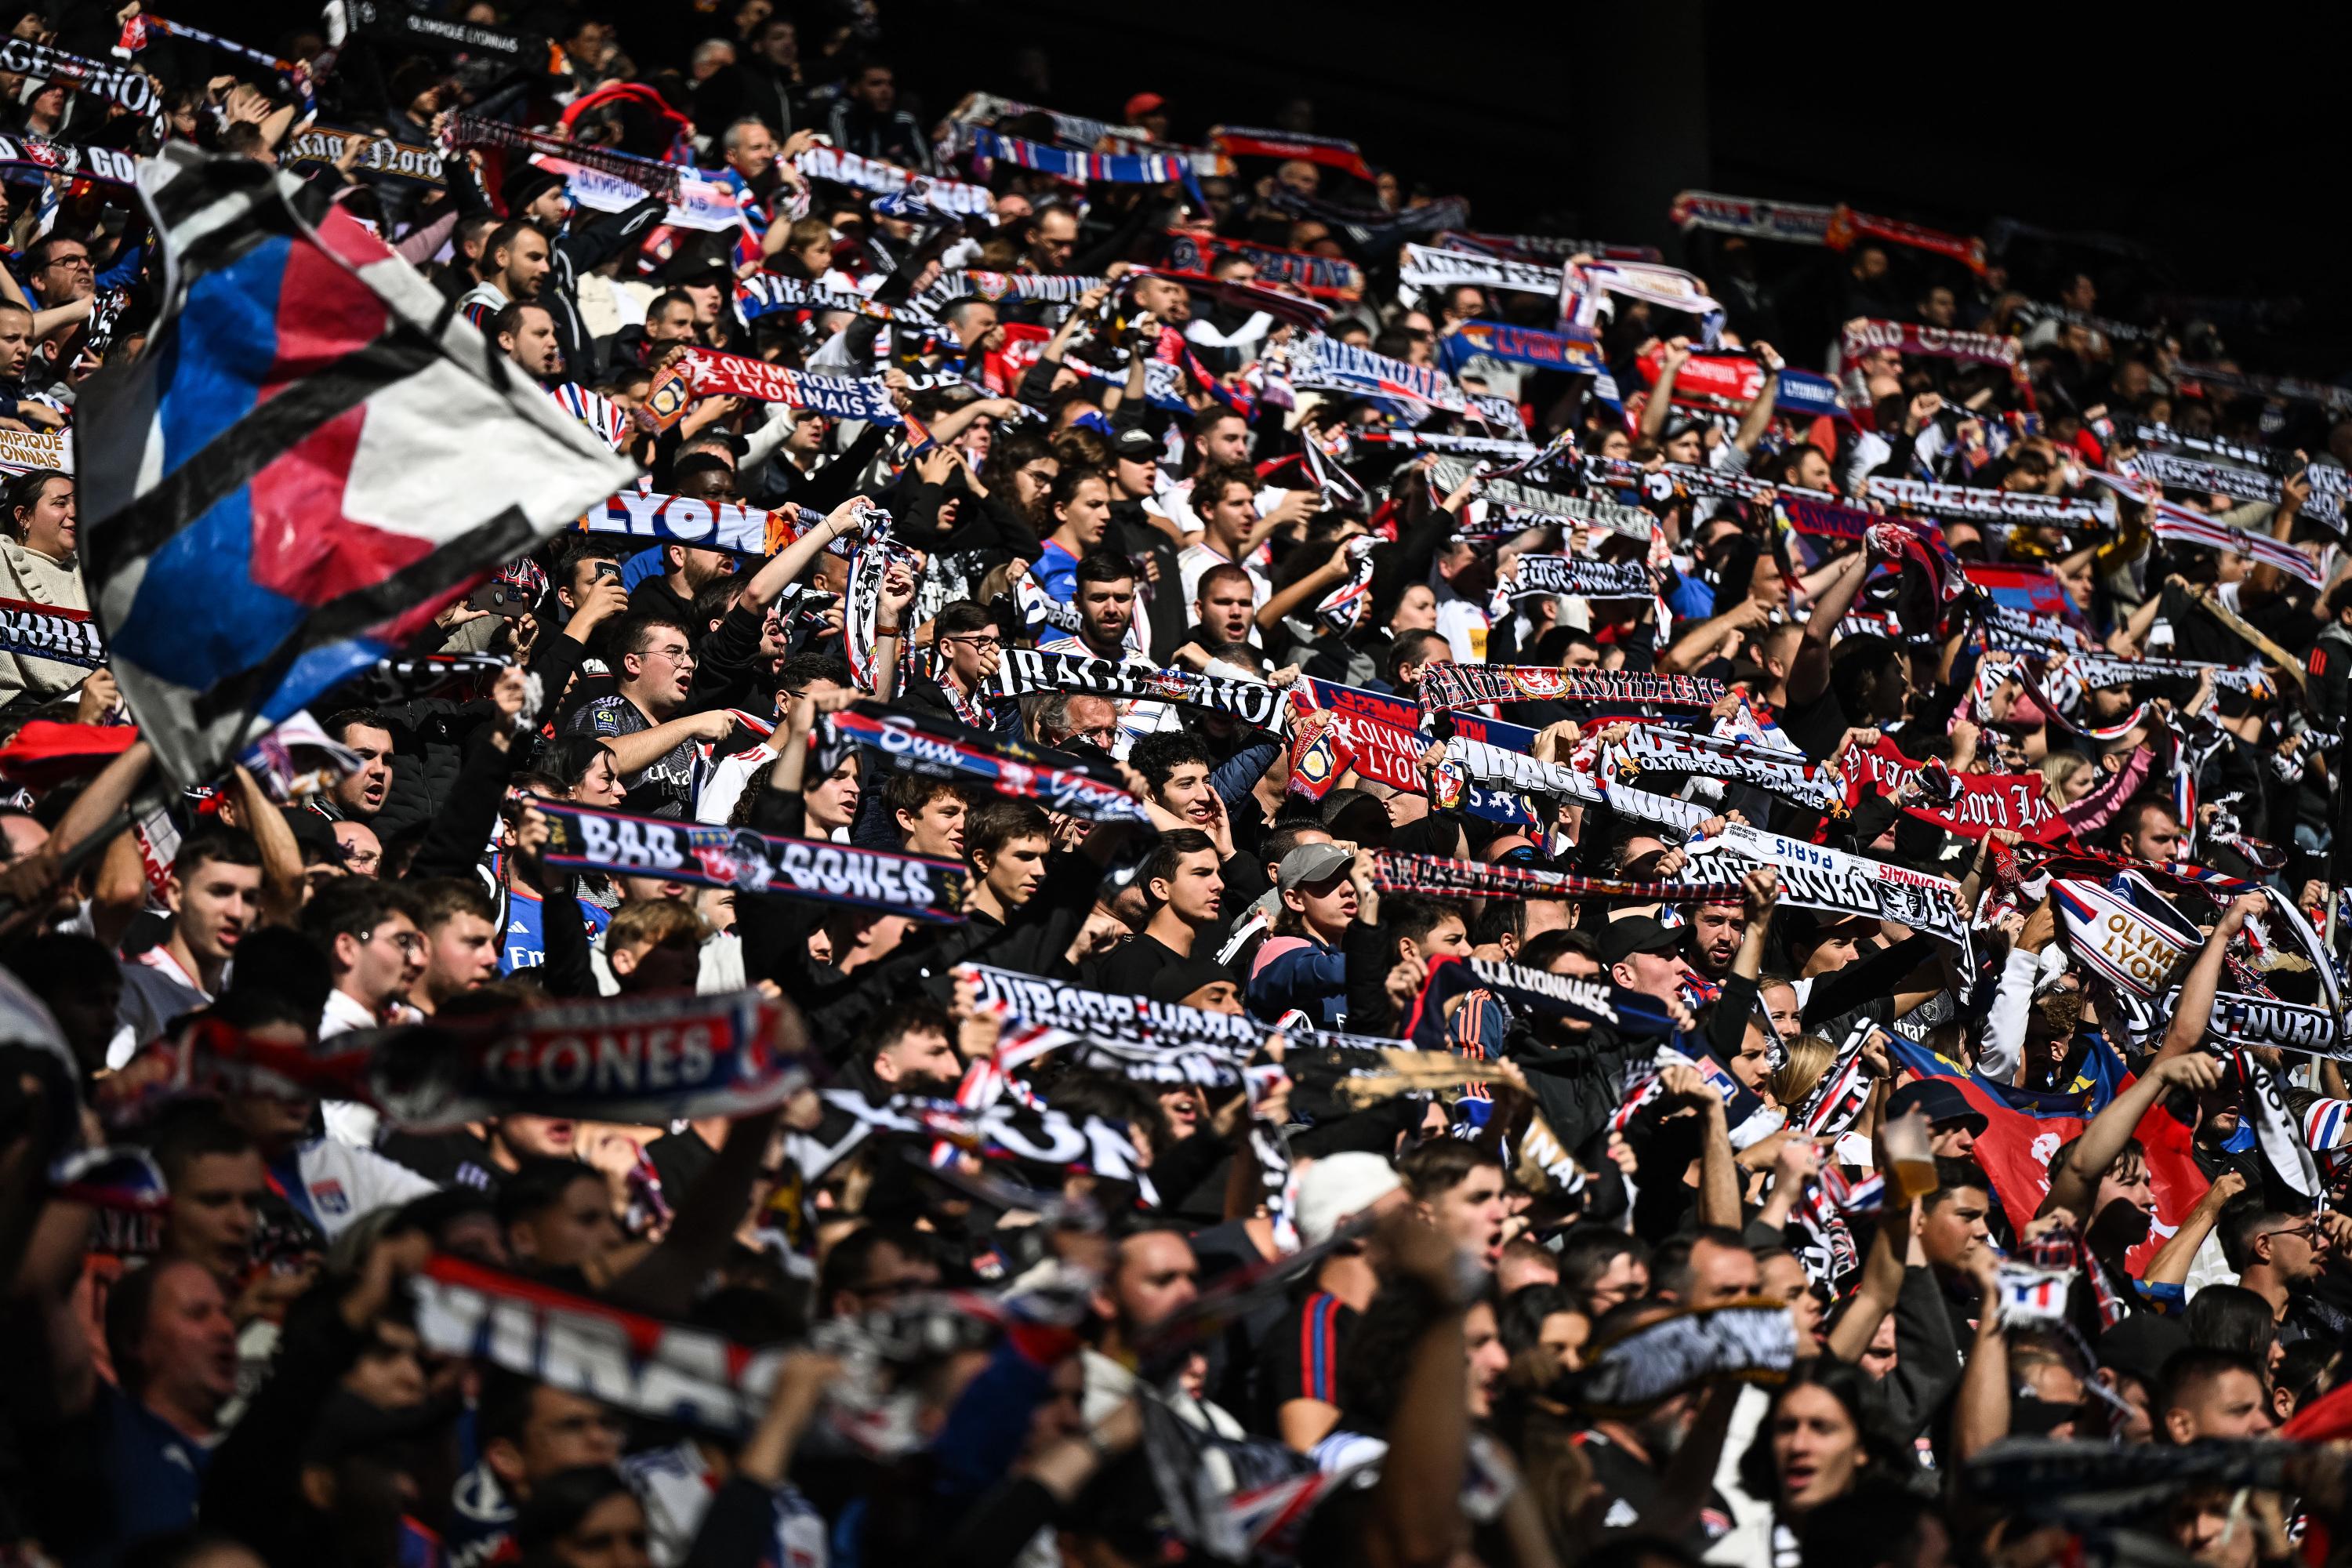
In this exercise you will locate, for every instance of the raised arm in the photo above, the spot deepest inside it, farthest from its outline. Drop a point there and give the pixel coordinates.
(1808, 673)
(2195, 1012)
(2074, 1185)
(1752, 423)
(1671, 355)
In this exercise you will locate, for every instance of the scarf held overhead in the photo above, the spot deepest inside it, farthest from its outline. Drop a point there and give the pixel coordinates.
(615, 843)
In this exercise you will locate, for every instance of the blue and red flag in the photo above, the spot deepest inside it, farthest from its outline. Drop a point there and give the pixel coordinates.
(311, 460)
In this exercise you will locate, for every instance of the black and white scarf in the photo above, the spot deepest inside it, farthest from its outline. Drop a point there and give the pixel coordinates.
(1446, 685)
(1631, 1373)
(1027, 671)
(1970, 501)
(1791, 775)
(1579, 577)
(1815, 876)
(124, 85)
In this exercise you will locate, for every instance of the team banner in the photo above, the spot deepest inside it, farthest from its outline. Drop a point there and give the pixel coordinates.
(1430, 875)
(2177, 524)
(1676, 481)
(888, 179)
(1739, 1341)
(1063, 162)
(1028, 669)
(23, 451)
(1863, 337)
(2330, 486)
(2289, 1025)
(2131, 946)
(1792, 776)
(1536, 992)
(765, 292)
(1326, 364)
(1005, 1129)
(940, 748)
(1583, 578)
(1730, 382)
(1795, 222)
(1325, 277)
(705, 524)
(1969, 502)
(1161, 1041)
(647, 175)
(1469, 761)
(1847, 226)
(1814, 877)
(125, 85)
(1970, 805)
(2337, 399)
(104, 164)
(50, 631)
(1429, 268)
(1334, 727)
(1519, 345)
(702, 203)
(1447, 686)
(2191, 474)
(397, 21)
(710, 373)
(378, 154)
(1056, 289)
(648, 1059)
(583, 838)
(640, 1058)
(1448, 474)
(663, 1371)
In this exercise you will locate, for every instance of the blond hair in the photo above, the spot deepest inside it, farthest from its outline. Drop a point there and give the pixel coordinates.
(1809, 1057)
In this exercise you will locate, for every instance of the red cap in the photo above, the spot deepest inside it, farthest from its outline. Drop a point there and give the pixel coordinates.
(1144, 104)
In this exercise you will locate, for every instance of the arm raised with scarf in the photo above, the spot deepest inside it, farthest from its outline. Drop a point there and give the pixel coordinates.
(2075, 1183)
(1672, 356)
(2195, 1011)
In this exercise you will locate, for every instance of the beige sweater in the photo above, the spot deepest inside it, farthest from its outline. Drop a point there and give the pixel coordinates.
(29, 575)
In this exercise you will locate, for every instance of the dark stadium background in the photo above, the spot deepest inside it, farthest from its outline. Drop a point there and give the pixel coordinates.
(2215, 135)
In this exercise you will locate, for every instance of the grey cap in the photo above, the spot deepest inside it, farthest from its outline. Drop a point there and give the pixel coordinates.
(1310, 863)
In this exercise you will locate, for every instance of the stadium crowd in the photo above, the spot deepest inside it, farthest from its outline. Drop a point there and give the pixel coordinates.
(1207, 866)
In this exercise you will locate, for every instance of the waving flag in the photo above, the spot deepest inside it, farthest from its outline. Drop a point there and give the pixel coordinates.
(313, 457)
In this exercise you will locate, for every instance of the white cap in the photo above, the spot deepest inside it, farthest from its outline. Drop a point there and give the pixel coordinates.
(1338, 1188)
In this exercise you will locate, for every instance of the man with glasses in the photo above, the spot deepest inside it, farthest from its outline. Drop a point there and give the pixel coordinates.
(374, 945)
(2280, 1256)
(652, 737)
(967, 647)
(61, 270)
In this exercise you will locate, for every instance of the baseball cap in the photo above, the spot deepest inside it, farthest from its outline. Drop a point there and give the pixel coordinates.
(1339, 1186)
(1310, 863)
(1135, 444)
(1941, 1099)
(1619, 940)
(1143, 103)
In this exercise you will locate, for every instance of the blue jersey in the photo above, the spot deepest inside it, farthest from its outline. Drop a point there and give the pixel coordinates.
(525, 946)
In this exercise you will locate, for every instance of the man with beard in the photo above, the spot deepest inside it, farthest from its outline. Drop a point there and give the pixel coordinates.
(1153, 1274)
(1714, 933)
(906, 1050)
(2281, 1258)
